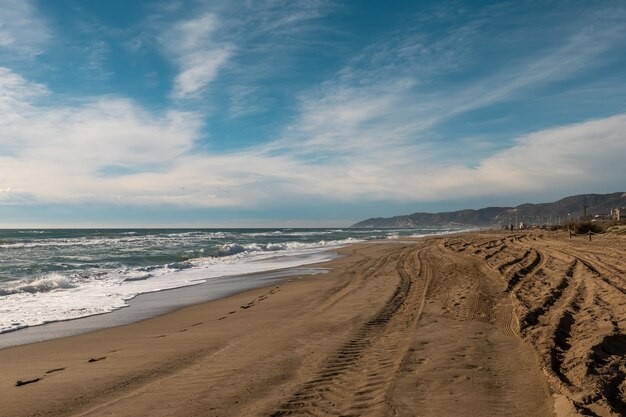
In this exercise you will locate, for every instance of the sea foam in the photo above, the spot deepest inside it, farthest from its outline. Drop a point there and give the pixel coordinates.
(56, 297)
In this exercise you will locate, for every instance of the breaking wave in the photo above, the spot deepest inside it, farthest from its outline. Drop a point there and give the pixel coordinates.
(46, 283)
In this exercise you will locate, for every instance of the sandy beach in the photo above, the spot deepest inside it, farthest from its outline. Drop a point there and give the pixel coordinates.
(474, 324)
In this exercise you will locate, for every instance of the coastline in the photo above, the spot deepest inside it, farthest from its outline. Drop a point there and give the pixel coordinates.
(61, 275)
(156, 303)
(428, 324)
(152, 303)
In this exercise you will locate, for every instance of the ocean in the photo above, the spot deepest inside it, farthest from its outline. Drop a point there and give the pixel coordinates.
(53, 275)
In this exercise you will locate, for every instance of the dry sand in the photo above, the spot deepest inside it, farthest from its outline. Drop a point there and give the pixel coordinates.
(479, 324)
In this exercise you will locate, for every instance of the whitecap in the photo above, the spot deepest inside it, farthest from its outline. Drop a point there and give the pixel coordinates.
(47, 283)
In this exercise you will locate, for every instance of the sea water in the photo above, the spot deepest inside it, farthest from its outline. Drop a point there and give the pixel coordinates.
(54, 275)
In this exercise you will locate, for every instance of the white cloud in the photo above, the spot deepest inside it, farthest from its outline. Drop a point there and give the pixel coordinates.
(382, 103)
(22, 30)
(192, 45)
(111, 150)
(199, 70)
(9, 196)
(579, 156)
(63, 153)
(365, 134)
(245, 101)
(17, 91)
(204, 46)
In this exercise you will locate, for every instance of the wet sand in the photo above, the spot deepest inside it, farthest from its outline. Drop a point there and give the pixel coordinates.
(477, 324)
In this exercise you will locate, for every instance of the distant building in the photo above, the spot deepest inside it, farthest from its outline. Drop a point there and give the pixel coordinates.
(615, 214)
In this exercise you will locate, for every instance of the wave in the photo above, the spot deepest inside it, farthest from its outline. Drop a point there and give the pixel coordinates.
(230, 249)
(95, 274)
(443, 232)
(137, 276)
(46, 299)
(113, 241)
(47, 283)
(280, 233)
(231, 253)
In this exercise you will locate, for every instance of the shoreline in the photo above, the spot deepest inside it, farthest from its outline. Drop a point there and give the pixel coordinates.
(152, 304)
(155, 303)
(59, 289)
(440, 324)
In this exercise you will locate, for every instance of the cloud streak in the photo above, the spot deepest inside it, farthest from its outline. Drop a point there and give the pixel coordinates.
(23, 31)
(192, 45)
(222, 38)
(110, 150)
(367, 133)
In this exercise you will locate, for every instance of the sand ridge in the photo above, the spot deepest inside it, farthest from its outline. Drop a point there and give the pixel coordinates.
(478, 324)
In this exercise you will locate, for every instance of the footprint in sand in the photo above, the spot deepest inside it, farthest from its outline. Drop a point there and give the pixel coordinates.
(20, 383)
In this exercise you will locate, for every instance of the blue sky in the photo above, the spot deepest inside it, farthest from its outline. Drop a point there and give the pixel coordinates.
(303, 113)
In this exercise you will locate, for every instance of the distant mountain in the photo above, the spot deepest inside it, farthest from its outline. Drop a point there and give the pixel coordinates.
(544, 213)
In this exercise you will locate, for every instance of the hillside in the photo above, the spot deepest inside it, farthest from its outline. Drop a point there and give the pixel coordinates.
(543, 213)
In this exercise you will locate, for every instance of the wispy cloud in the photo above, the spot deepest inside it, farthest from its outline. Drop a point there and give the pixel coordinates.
(244, 101)
(111, 150)
(368, 132)
(223, 36)
(575, 157)
(197, 53)
(383, 100)
(23, 31)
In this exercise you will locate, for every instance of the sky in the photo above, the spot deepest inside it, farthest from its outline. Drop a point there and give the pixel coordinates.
(303, 113)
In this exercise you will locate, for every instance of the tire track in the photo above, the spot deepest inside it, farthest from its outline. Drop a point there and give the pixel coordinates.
(503, 267)
(378, 264)
(483, 303)
(499, 250)
(531, 267)
(607, 358)
(596, 270)
(569, 299)
(532, 317)
(357, 378)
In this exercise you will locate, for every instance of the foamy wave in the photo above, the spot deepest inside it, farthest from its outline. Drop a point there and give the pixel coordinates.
(102, 271)
(445, 232)
(46, 300)
(278, 233)
(128, 238)
(137, 276)
(230, 249)
(46, 283)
